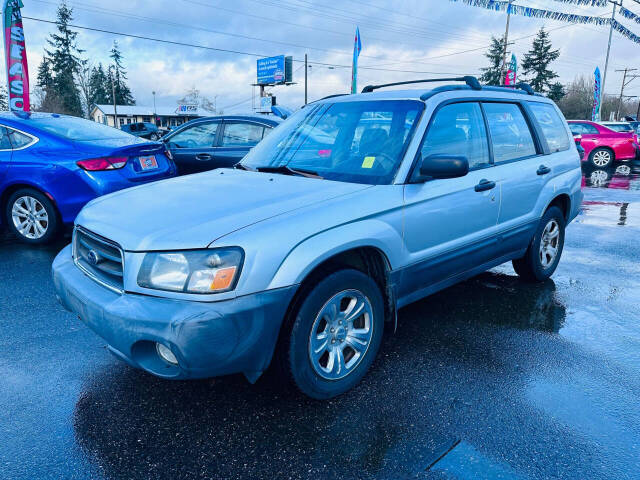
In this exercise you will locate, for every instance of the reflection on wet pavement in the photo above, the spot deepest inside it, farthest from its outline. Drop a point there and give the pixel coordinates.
(622, 176)
(493, 378)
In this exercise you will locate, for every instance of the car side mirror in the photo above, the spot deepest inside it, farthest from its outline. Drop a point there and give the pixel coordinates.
(443, 166)
(577, 139)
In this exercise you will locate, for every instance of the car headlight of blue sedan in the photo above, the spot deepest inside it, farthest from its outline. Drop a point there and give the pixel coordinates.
(192, 271)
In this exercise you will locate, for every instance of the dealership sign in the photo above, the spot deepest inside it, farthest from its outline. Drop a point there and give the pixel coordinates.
(16, 57)
(274, 70)
(187, 110)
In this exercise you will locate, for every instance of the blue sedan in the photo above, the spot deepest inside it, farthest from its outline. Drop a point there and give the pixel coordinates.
(51, 165)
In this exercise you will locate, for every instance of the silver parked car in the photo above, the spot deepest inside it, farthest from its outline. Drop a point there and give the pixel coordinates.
(354, 207)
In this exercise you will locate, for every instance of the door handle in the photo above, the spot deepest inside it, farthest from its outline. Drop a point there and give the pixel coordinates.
(484, 185)
(543, 170)
(203, 157)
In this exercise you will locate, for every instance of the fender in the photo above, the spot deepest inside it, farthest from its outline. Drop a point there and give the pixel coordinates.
(311, 252)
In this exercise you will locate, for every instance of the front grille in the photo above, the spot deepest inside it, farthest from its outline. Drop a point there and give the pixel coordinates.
(99, 258)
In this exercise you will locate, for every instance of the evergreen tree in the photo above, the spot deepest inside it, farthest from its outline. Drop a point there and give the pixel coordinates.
(492, 75)
(98, 83)
(537, 60)
(556, 92)
(118, 74)
(65, 64)
(48, 101)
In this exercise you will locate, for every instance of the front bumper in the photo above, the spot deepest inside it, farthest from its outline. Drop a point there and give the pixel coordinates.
(208, 338)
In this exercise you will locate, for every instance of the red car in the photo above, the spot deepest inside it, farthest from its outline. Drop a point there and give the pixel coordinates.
(603, 145)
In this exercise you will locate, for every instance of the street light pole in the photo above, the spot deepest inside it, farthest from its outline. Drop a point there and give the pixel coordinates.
(115, 107)
(305, 78)
(155, 116)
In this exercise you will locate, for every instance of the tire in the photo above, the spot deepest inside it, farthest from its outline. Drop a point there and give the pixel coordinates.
(32, 217)
(601, 157)
(350, 291)
(538, 264)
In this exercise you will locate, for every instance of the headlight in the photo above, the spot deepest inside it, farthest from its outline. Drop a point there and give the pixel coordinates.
(195, 271)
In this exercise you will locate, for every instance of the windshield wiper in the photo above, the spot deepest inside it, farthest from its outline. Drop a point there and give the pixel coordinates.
(286, 169)
(240, 166)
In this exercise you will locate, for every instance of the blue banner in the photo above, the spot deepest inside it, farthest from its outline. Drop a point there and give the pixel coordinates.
(357, 46)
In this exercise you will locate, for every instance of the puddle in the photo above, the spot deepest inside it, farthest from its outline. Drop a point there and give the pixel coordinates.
(606, 214)
(624, 176)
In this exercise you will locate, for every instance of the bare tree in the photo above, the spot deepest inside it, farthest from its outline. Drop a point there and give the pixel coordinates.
(83, 79)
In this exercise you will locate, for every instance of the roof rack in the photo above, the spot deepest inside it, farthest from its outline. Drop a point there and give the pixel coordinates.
(470, 80)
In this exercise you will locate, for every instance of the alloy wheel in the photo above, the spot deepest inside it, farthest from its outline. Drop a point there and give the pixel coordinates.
(30, 217)
(601, 158)
(549, 243)
(341, 334)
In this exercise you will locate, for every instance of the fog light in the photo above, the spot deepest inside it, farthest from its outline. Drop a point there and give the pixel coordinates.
(166, 354)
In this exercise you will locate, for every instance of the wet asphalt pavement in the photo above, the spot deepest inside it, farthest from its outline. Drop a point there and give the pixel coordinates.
(492, 378)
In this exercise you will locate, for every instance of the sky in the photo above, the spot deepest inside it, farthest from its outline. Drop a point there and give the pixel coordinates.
(401, 40)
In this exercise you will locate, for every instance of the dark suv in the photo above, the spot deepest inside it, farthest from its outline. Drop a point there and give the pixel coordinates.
(142, 129)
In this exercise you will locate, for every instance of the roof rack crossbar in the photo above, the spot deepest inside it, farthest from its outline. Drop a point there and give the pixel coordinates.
(470, 80)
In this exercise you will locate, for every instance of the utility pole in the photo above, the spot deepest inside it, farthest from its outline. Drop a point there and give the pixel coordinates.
(503, 71)
(155, 116)
(305, 78)
(606, 62)
(624, 84)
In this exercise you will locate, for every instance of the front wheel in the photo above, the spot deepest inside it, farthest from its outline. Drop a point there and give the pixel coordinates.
(335, 334)
(543, 255)
(31, 216)
(601, 157)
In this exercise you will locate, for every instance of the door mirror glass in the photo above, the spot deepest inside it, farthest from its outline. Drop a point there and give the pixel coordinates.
(442, 165)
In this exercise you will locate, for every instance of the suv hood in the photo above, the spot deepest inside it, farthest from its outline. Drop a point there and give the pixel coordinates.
(194, 210)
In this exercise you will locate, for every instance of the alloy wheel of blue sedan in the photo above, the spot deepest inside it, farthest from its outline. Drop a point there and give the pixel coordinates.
(30, 217)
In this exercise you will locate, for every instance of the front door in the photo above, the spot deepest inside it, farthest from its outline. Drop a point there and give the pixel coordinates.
(193, 148)
(450, 224)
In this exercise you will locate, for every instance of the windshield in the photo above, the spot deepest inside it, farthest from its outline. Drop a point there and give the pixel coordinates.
(359, 142)
(78, 129)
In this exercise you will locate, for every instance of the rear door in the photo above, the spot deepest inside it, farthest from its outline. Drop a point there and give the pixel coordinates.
(590, 136)
(193, 147)
(519, 167)
(237, 138)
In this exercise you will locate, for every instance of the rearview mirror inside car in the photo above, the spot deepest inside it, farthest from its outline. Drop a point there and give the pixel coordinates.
(444, 166)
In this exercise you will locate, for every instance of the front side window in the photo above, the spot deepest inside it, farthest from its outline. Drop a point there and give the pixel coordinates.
(510, 135)
(349, 141)
(202, 135)
(242, 134)
(458, 129)
(552, 126)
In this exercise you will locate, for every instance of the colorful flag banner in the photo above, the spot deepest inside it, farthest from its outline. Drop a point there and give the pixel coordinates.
(589, 3)
(357, 46)
(625, 32)
(503, 6)
(512, 71)
(595, 113)
(16, 57)
(629, 14)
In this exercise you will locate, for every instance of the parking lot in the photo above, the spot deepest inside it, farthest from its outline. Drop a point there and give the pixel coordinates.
(492, 378)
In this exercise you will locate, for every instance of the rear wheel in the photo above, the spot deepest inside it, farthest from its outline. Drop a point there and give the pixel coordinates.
(543, 255)
(601, 157)
(31, 216)
(334, 335)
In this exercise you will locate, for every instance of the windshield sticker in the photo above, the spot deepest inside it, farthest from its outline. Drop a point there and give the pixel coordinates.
(368, 162)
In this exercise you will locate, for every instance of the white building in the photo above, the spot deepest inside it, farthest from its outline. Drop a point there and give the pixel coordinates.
(163, 116)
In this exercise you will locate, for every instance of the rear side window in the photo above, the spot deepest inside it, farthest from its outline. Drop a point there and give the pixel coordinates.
(242, 134)
(19, 140)
(510, 134)
(552, 126)
(5, 143)
(582, 129)
(458, 129)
